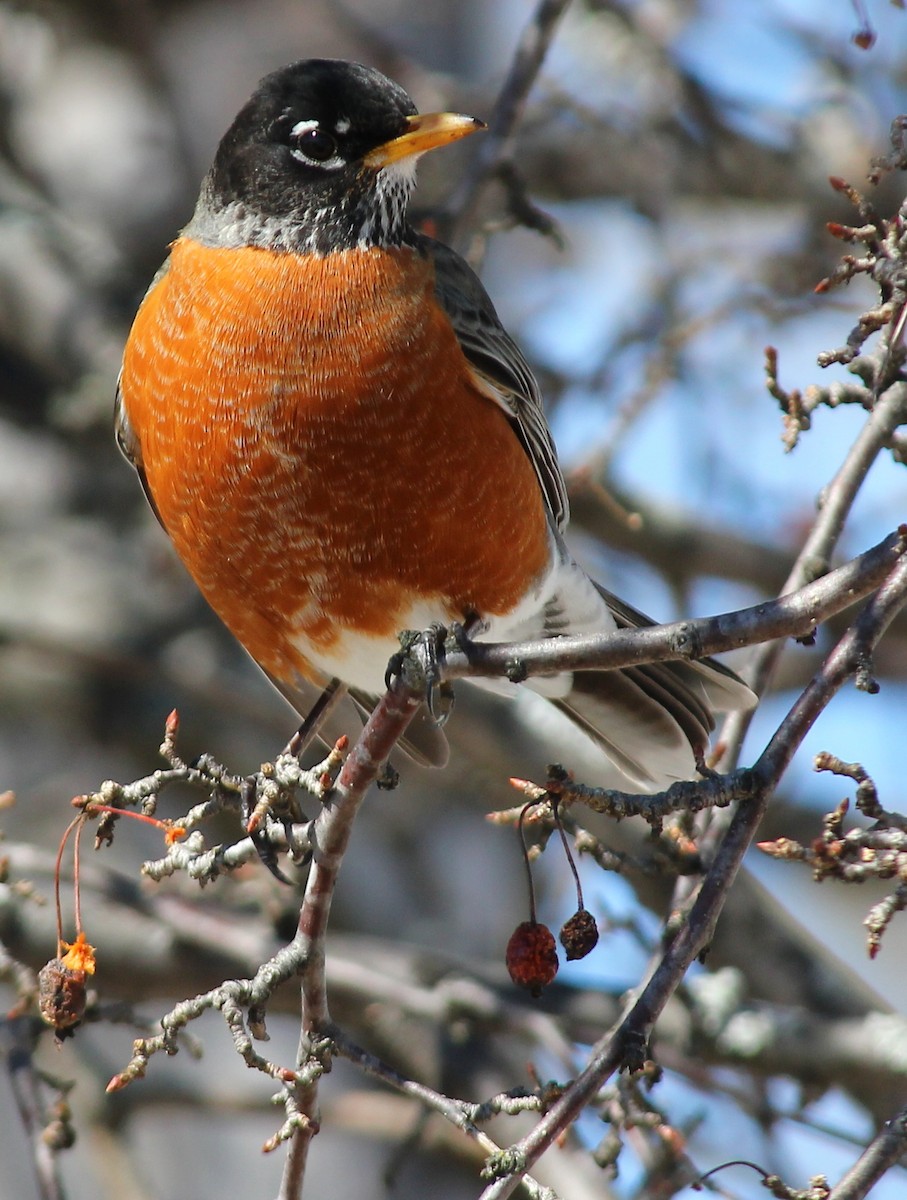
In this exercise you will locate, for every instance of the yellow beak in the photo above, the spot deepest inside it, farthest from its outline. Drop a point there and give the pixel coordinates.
(426, 131)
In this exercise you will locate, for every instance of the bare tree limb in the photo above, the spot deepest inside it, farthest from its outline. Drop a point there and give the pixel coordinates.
(463, 1116)
(330, 839)
(795, 614)
(495, 147)
(16, 1047)
(883, 1152)
(889, 411)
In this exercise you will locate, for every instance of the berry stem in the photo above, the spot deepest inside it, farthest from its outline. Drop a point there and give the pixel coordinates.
(57, 867)
(525, 809)
(564, 842)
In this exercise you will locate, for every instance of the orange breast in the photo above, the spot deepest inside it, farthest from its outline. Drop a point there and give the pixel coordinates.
(316, 449)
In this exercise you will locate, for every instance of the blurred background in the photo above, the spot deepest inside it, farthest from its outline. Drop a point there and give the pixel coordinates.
(674, 156)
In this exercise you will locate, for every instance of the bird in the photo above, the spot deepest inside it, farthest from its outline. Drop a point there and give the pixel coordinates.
(343, 442)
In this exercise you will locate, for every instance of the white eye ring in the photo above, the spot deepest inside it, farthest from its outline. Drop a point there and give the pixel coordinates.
(302, 127)
(304, 154)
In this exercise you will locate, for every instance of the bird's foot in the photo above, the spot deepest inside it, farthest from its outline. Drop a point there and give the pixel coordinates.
(418, 664)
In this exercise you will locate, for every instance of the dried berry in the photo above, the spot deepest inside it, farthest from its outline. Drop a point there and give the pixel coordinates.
(579, 935)
(532, 956)
(61, 995)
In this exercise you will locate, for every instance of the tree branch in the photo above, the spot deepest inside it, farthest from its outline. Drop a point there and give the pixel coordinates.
(330, 838)
(883, 1152)
(624, 1045)
(889, 411)
(495, 147)
(793, 615)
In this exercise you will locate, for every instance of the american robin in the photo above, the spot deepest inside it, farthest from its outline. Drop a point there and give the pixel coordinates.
(343, 442)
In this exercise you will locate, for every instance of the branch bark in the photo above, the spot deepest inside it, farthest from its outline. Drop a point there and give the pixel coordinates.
(795, 614)
(884, 1151)
(330, 838)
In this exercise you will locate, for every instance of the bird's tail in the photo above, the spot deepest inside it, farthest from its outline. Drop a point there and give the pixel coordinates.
(652, 721)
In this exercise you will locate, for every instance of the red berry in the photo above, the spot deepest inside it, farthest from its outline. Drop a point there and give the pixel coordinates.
(532, 956)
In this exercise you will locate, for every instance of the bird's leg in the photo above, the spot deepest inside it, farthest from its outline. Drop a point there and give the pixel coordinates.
(463, 633)
(295, 747)
(317, 715)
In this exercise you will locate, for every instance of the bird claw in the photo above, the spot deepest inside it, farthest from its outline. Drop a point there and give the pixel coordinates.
(418, 664)
(268, 855)
(439, 700)
(259, 834)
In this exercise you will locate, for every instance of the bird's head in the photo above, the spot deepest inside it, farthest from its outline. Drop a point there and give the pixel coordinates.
(322, 157)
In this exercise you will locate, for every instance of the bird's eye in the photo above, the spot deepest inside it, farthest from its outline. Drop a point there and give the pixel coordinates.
(313, 143)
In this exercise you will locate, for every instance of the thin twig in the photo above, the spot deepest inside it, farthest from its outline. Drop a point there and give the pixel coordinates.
(463, 1115)
(889, 412)
(495, 147)
(16, 1047)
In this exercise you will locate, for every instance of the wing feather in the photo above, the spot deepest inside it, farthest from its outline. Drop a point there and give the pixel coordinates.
(500, 370)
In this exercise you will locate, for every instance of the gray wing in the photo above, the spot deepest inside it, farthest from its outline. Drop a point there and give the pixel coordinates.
(500, 370)
(127, 441)
(131, 448)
